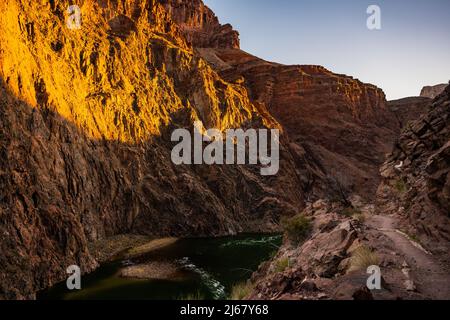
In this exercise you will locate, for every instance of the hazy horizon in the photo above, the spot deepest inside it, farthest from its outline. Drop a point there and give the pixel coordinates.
(409, 52)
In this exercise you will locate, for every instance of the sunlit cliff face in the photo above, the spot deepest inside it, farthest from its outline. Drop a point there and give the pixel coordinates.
(121, 76)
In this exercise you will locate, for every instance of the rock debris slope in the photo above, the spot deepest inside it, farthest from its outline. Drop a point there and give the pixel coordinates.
(405, 232)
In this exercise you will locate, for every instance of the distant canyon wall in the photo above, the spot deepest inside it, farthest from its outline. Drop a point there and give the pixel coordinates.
(433, 91)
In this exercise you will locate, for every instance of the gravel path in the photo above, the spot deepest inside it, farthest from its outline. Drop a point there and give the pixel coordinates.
(430, 277)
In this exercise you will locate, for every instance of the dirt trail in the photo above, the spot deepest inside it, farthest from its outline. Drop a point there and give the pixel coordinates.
(430, 277)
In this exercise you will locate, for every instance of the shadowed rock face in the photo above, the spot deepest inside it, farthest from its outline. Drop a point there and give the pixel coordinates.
(417, 176)
(409, 109)
(343, 123)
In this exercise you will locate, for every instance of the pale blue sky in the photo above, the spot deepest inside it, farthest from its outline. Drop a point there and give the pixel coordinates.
(410, 51)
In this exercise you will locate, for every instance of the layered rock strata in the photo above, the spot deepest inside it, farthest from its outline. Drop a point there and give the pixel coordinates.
(433, 91)
(344, 124)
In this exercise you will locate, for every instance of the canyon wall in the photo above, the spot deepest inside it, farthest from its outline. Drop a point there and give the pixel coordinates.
(406, 231)
(86, 121)
(416, 177)
(200, 25)
(433, 91)
(344, 124)
(409, 109)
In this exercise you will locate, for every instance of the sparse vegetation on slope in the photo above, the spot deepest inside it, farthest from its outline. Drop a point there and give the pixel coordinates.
(296, 228)
(362, 258)
(241, 290)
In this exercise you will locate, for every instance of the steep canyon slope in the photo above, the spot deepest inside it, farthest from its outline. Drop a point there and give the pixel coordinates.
(86, 119)
(416, 177)
(345, 125)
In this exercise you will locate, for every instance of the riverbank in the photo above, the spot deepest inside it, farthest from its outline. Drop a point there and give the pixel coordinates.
(126, 246)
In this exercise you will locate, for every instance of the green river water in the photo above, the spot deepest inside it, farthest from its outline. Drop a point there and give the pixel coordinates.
(210, 268)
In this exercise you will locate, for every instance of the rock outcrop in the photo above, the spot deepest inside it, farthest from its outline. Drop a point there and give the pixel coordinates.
(344, 125)
(417, 177)
(433, 91)
(200, 25)
(345, 247)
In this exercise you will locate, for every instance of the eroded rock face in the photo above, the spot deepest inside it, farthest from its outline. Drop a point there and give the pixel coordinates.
(325, 251)
(344, 124)
(200, 25)
(86, 120)
(336, 258)
(417, 174)
(433, 91)
(409, 109)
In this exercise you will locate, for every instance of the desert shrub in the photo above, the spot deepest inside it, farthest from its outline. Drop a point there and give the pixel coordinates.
(198, 296)
(351, 212)
(401, 186)
(411, 236)
(241, 290)
(354, 213)
(362, 258)
(282, 264)
(414, 238)
(360, 217)
(296, 228)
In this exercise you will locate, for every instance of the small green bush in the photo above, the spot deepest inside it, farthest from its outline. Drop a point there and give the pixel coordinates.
(411, 236)
(297, 228)
(351, 212)
(401, 186)
(282, 265)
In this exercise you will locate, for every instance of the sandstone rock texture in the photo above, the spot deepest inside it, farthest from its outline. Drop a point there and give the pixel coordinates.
(433, 91)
